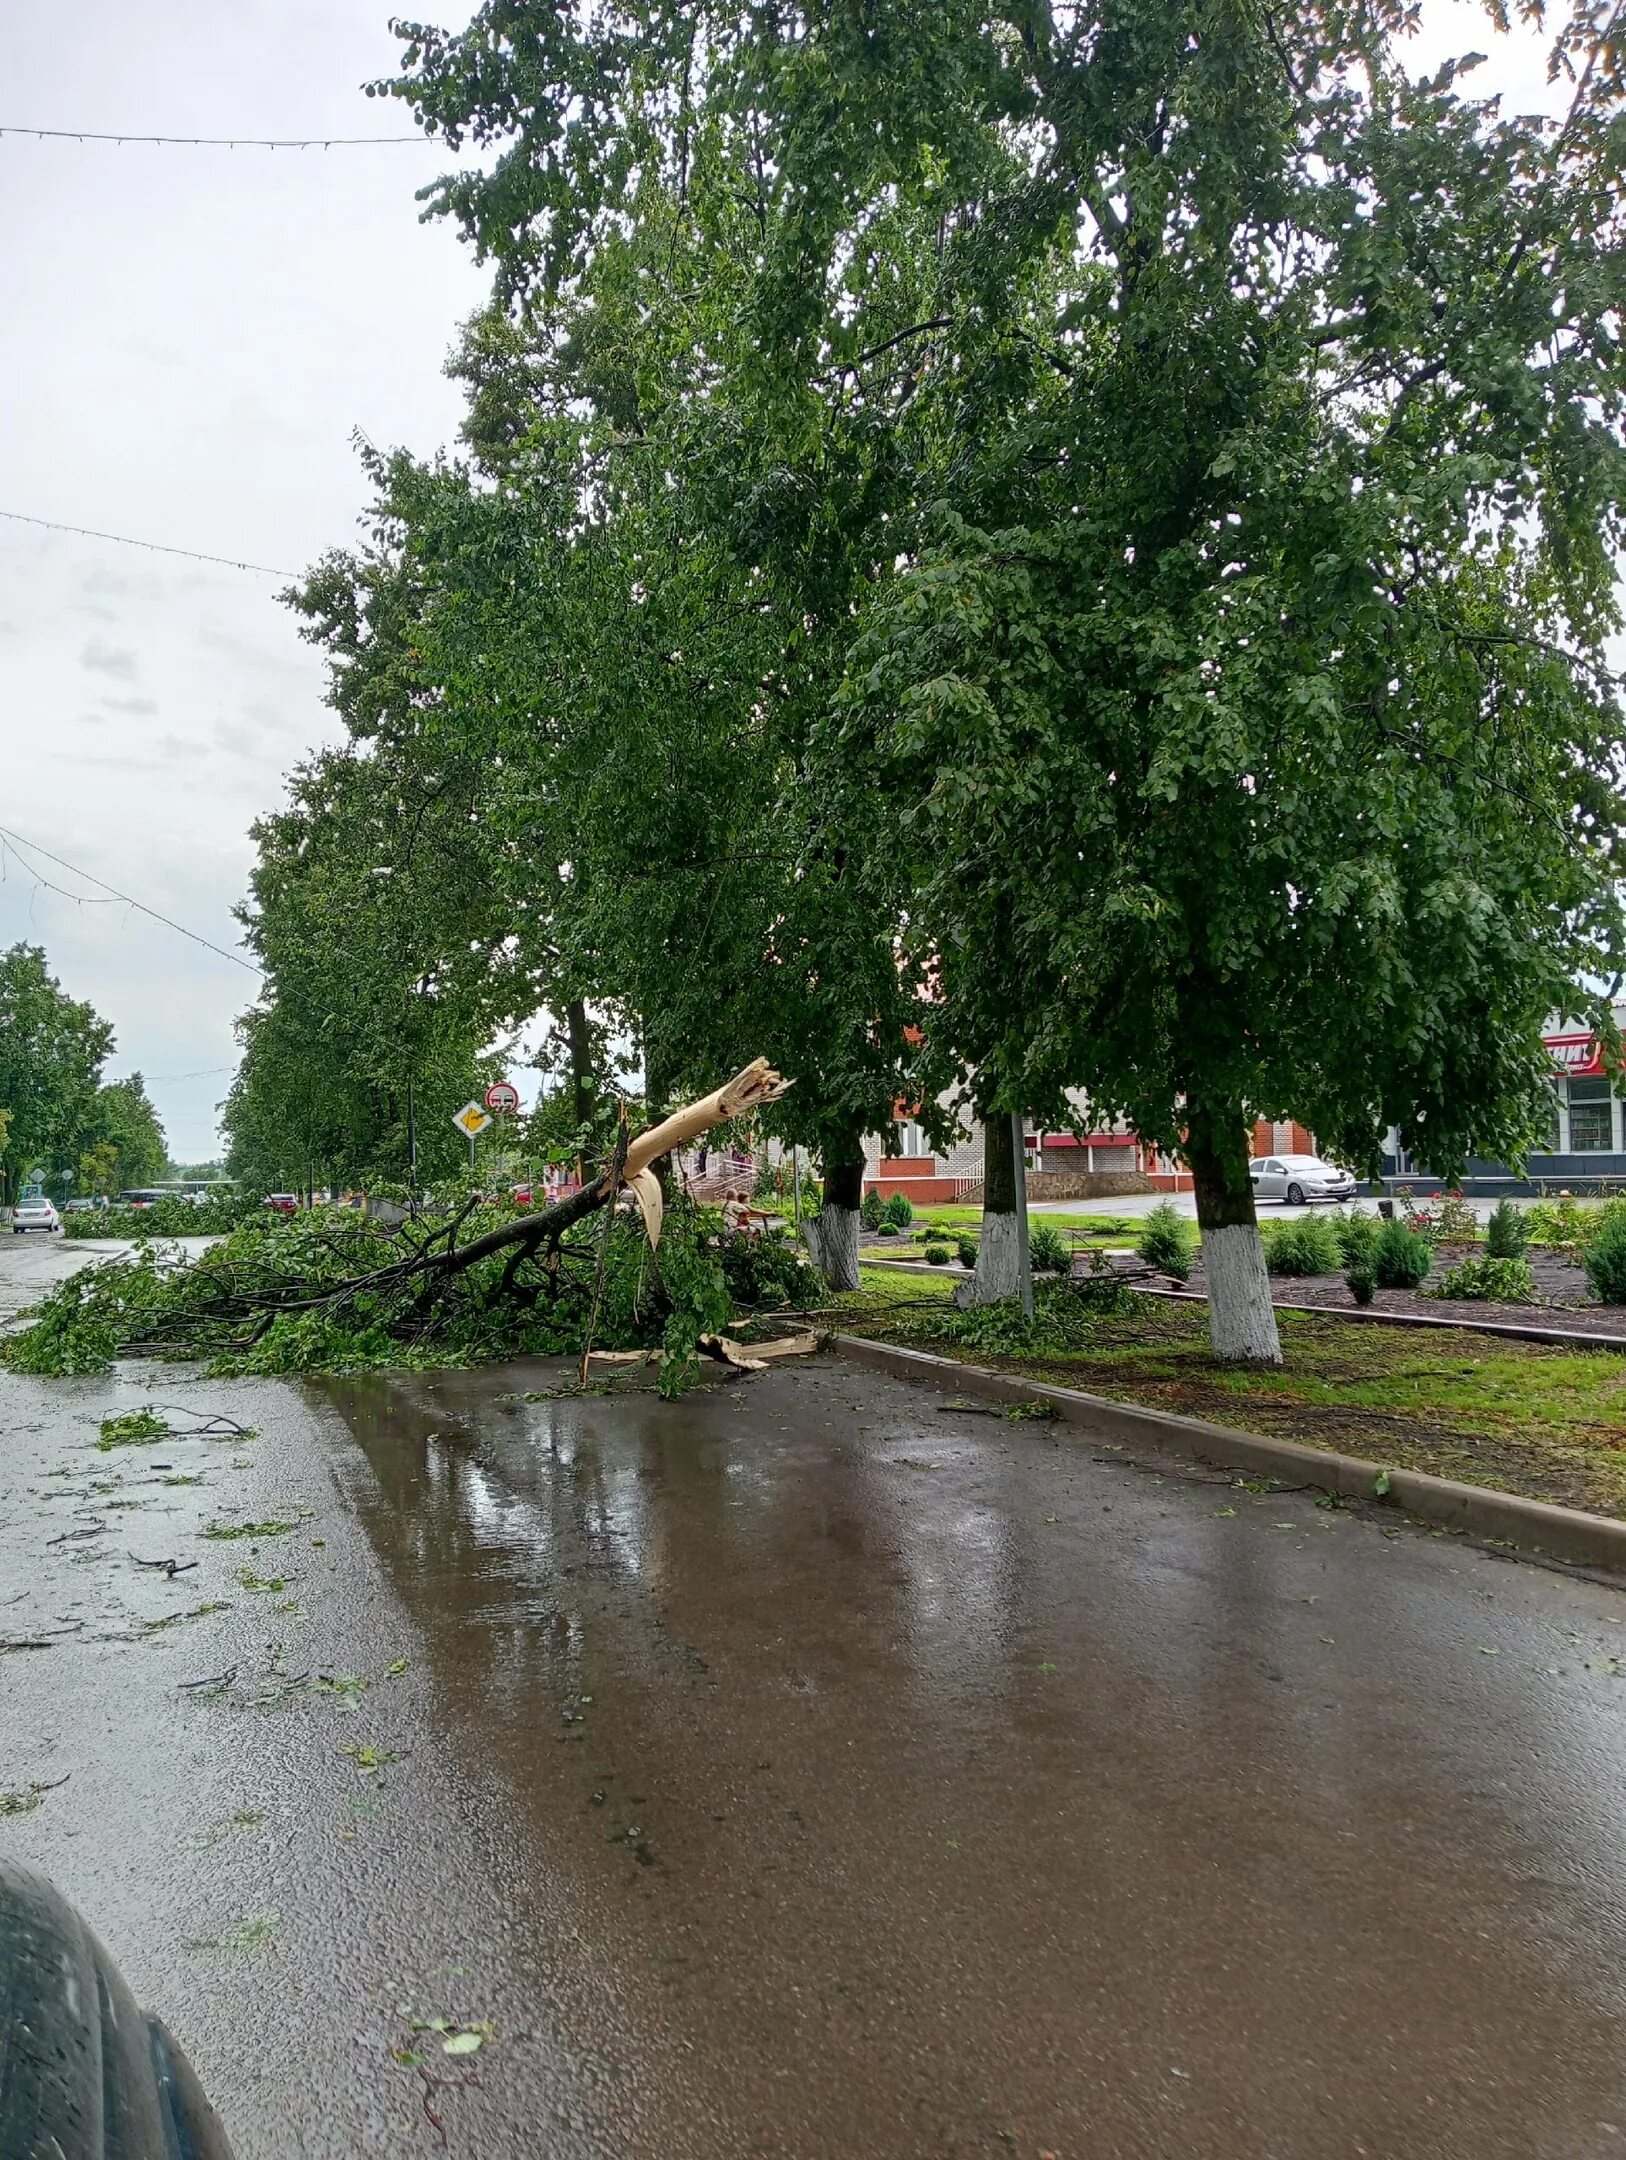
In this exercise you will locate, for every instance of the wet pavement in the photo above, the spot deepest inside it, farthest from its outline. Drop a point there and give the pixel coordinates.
(805, 1770)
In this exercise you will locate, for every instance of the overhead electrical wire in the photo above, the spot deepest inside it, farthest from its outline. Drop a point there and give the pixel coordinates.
(217, 142)
(91, 900)
(153, 547)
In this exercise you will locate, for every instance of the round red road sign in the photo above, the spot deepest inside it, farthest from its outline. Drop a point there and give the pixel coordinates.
(503, 1097)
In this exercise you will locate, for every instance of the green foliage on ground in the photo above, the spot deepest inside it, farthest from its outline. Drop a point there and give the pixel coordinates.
(1048, 1249)
(1167, 1241)
(965, 1251)
(1361, 1280)
(1401, 1258)
(1508, 1281)
(150, 1302)
(168, 1218)
(898, 1209)
(937, 1255)
(1307, 1246)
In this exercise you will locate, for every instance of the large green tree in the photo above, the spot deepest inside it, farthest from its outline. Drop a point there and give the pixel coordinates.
(52, 1049)
(126, 1127)
(1241, 689)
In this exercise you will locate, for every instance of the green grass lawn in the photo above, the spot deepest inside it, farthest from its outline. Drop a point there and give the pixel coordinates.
(1523, 1417)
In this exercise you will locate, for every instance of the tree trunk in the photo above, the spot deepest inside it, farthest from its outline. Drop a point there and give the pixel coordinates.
(1241, 1318)
(832, 1234)
(580, 1037)
(999, 1248)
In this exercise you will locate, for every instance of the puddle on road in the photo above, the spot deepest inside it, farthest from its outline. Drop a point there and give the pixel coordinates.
(904, 1812)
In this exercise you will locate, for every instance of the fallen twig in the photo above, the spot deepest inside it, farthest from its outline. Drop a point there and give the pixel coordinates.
(170, 1567)
(219, 1679)
(70, 1537)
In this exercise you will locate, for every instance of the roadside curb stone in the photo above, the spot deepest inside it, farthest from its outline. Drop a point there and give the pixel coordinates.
(1535, 1526)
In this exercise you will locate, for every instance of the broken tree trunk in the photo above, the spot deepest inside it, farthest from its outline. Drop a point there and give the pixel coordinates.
(411, 1282)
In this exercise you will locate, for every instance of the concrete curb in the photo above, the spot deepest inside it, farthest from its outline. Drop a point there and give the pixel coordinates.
(1537, 1526)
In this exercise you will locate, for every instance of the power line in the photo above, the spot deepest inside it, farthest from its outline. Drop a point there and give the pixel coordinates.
(153, 547)
(218, 142)
(207, 1072)
(141, 906)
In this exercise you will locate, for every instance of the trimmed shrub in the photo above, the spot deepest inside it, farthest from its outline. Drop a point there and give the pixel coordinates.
(1506, 1233)
(937, 1256)
(898, 1211)
(871, 1211)
(965, 1251)
(1048, 1249)
(1362, 1282)
(1166, 1241)
(1401, 1258)
(1605, 1261)
(1306, 1247)
(1509, 1282)
(1356, 1233)
(886, 1229)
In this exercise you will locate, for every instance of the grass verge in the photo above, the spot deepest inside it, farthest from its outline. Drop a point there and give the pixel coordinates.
(1520, 1417)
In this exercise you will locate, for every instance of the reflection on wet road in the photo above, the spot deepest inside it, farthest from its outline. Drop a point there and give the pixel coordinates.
(860, 1777)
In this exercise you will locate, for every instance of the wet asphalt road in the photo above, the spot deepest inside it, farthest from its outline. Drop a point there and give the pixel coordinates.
(805, 1771)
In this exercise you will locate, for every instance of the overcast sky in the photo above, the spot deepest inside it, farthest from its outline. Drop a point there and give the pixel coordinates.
(188, 339)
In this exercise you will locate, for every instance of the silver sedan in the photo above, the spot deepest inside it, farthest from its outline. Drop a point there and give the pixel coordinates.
(1299, 1179)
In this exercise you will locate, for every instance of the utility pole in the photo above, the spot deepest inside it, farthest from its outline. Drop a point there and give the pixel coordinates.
(1020, 1166)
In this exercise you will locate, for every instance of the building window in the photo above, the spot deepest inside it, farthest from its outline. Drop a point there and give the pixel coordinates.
(1592, 1117)
(1554, 1140)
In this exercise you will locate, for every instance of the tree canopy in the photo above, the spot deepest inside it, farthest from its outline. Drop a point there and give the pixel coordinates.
(1002, 547)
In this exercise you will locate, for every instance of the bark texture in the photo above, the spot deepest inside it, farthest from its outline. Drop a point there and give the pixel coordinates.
(832, 1234)
(999, 1248)
(1241, 1318)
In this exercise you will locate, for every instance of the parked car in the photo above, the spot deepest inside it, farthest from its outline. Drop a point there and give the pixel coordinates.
(80, 1207)
(34, 1213)
(285, 1203)
(1299, 1179)
(142, 1196)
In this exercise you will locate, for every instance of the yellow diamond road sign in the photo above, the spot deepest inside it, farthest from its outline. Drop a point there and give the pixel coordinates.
(471, 1119)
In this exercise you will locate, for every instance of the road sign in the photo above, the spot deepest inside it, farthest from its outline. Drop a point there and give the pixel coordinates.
(502, 1097)
(471, 1119)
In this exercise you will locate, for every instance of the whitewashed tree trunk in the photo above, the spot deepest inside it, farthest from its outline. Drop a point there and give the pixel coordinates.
(999, 1246)
(832, 1239)
(832, 1234)
(1241, 1318)
(999, 1260)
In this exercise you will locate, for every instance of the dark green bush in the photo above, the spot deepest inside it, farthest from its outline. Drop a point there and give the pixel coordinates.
(899, 1211)
(937, 1255)
(1166, 1242)
(768, 1270)
(1401, 1258)
(1306, 1247)
(1507, 1233)
(1049, 1250)
(886, 1229)
(871, 1210)
(1356, 1233)
(1509, 1282)
(1605, 1261)
(1362, 1282)
(965, 1251)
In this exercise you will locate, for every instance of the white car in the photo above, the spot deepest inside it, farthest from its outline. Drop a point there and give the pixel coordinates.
(34, 1214)
(1299, 1179)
